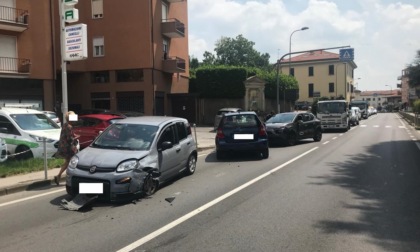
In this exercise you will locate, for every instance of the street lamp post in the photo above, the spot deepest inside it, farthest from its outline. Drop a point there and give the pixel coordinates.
(290, 53)
(390, 95)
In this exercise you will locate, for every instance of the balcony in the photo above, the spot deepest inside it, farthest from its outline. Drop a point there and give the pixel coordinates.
(12, 19)
(174, 65)
(15, 65)
(173, 28)
(174, 1)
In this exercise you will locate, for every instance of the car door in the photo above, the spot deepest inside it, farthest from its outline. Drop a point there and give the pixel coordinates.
(185, 142)
(300, 126)
(310, 124)
(170, 159)
(10, 134)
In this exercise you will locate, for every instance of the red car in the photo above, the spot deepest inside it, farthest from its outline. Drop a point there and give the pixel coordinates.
(89, 126)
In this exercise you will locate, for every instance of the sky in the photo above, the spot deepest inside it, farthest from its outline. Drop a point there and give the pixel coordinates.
(384, 34)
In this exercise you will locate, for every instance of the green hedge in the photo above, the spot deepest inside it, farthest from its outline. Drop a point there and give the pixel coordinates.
(416, 106)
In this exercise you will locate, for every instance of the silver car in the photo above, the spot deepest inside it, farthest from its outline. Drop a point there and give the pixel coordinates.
(132, 157)
(220, 114)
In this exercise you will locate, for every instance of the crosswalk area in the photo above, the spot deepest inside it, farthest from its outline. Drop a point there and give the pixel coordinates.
(381, 126)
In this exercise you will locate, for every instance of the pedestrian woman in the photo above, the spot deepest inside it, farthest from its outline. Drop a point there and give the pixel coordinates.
(67, 145)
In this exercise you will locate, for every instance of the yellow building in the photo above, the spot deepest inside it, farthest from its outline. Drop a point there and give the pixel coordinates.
(321, 74)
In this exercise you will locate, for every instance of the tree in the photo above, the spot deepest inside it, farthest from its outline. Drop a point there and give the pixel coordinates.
(414, 72)
(194, 62)
(237, 52)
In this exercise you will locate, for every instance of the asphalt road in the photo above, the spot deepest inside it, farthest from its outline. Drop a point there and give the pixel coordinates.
(353, 191)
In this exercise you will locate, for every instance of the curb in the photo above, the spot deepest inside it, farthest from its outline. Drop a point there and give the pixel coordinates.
(28, 186)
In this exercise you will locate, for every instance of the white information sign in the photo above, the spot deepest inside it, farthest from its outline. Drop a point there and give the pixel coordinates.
(75, 42)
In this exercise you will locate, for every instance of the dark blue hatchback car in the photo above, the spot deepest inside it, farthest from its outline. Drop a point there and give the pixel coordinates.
(241, 132)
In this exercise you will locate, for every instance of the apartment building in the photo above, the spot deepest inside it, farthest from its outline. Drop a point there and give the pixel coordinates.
(321, 74)
(27, 72)
(137, 55)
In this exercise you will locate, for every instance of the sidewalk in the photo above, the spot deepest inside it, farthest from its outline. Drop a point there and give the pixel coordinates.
(204, 138)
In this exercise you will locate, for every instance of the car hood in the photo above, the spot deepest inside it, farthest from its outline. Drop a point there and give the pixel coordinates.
(107, 157)
(50, 134)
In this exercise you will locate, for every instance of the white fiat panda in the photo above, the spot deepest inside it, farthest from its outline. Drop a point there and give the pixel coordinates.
(24, 131)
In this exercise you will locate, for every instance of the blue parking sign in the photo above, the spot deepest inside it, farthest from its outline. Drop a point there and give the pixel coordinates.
(347, 54)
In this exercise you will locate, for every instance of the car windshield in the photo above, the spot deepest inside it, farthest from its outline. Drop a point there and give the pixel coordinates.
(282, 118)
(126, 137)
(34, 121)
(331, 107)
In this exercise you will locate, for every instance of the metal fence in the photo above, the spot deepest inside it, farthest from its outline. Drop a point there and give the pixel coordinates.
(14, 65)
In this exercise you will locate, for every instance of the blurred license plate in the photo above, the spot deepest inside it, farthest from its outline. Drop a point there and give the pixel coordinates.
(243, 136)
(91, 188)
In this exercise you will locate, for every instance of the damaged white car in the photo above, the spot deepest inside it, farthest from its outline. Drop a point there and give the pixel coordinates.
(132, 157)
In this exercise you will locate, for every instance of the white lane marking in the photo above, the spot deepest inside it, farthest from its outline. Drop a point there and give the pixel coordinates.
(363, 126)
(191, 214)
(376, 126)
(334, 138)
(387, 126)
(402, 127)
(29, 198)
(326, 142)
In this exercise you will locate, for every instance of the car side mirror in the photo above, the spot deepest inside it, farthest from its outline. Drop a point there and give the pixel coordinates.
(165, 145)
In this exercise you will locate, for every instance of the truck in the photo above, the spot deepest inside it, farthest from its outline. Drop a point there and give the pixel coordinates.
(333, 114)
(363, 106)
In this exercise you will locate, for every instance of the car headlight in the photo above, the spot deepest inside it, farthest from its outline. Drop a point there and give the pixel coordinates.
(41, 139)
(128, 165)
(73, 162)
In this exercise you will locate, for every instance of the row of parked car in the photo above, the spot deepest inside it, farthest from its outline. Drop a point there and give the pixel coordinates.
(239, 130)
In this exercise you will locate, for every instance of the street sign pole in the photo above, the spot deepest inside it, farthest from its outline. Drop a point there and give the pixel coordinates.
(64, 105)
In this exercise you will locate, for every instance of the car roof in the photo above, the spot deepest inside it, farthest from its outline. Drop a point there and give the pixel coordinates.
(151, 120)
(104, 117)
(20, 111)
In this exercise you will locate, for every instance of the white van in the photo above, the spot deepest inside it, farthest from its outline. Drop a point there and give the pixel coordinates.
(24, 131)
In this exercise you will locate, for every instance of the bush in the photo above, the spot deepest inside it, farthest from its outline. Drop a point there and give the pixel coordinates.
(416, 106)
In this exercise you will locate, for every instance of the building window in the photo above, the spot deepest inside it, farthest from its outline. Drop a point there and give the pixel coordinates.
(311, 90)
(101, 100)
(311, 71)
(97, 9)
(292, 71)
(165, 11)
(367, 99)
(373, 99)
(379, 98)
(99, 77)
(98, 47)
(331, 87)
(129, 75)
(130, 101)
(331, 70)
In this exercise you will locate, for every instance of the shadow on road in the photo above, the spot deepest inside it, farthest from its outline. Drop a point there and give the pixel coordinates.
(386, 180)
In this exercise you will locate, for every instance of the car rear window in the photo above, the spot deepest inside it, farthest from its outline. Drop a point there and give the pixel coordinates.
(240, 121)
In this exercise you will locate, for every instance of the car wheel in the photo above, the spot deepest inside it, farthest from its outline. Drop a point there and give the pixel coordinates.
(191, 164)
(23, 152)
(265, 153)
(291, 139)
(220, 155)
(149, 185)
(318, 136)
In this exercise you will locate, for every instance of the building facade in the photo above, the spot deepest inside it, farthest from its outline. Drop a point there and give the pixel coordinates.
(380, 98)
(137, 55)
(321, 74)
(27, 69)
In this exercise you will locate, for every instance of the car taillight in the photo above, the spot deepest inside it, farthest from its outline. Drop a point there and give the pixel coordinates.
(262, 131)
(219, 133)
